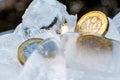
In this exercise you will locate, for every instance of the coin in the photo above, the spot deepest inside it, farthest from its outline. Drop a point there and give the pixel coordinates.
(26, 49)
(94, 42)
(94, 22)
(50, 48)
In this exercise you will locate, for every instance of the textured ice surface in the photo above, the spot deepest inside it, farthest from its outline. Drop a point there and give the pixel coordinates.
(9, 64)
(29, 50)
(6, 32)
(91, 65)
(36, 23)
(41, 66)
(113, 30)
(49, 48)
(40, 13)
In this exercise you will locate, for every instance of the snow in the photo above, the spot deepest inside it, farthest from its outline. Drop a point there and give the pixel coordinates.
(63, 60)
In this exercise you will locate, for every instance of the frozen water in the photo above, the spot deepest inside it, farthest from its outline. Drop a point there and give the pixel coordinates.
(45, 19)
(113, 30)
(35, 17)
(49, 49)
(6, 32)
(8, 57)
(29, 50)
(42, 66)
(37, 22)
(91, 64)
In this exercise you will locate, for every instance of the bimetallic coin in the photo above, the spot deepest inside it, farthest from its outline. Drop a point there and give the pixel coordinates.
(94, 22)
(94, 43)
(26, 49)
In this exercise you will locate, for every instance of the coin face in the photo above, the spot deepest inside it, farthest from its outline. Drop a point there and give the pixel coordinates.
(94, 43)
(26, 49)
(94, 22)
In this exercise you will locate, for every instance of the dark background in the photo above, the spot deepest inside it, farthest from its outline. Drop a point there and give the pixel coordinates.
(11, 11)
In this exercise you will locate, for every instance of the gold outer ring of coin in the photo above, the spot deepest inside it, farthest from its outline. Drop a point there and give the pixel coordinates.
(100, 15)
(106, 43)
(21, 55)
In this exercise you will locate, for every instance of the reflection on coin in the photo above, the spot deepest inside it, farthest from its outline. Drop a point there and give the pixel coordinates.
(94, 22)
(94, 43)
(50, 48)
(26, 49)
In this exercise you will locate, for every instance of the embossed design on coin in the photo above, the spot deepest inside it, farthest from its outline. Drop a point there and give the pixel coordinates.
(92, 27)
(94, 22)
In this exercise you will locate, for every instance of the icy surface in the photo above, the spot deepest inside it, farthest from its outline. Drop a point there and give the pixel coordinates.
(29, 50)
(91, 65)
(8, 57)
(6, 32)
(45, 19)
(113, 30)
(41, 66)
(41, 13)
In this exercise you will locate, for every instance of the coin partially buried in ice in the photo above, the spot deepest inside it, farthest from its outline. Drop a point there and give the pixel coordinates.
(94, 43)
(92, 26)
(26, 48)
(94, 22)
(49, 48)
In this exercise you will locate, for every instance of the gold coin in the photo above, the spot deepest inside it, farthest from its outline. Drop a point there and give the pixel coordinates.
(94, 42)
(94, 22)
(30, 44)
